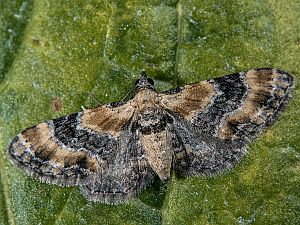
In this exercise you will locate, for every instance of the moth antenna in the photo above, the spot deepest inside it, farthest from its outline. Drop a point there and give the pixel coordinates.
(94, 98)
(127, 95)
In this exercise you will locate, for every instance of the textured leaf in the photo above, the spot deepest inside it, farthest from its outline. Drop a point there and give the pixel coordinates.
(50, 63)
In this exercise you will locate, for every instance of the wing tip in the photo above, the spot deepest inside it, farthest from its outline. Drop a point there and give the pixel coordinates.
(291, 78)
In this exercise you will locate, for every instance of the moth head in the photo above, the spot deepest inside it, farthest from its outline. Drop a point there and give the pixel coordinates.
(144, 82)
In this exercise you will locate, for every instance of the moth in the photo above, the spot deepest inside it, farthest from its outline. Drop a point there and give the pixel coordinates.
(114, 151)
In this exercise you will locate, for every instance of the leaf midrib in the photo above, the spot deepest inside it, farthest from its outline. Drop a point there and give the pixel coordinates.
(6, 184)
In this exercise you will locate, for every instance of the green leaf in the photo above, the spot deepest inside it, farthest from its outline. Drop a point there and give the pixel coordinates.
(53, 53)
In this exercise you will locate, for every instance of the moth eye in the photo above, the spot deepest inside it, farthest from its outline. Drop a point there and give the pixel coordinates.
(150, 81)
(137, 81)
